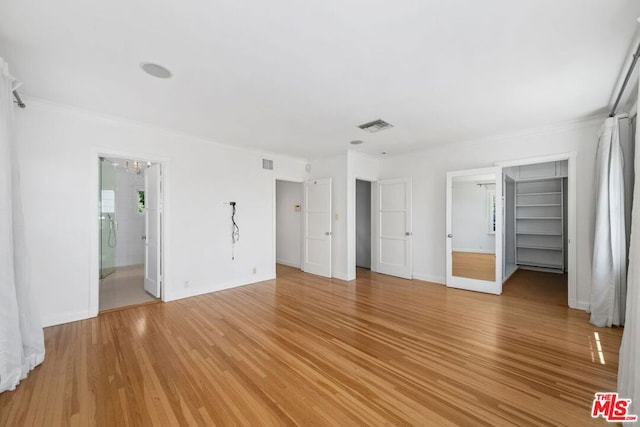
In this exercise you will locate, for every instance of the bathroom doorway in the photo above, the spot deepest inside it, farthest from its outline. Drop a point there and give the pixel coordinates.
(130, 220)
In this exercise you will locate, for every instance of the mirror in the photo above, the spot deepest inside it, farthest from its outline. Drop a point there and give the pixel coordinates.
(473, 226)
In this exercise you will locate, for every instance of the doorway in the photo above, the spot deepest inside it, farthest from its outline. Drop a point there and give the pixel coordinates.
(536, 254)
(363, 226)
(130, 223)
(289, 196)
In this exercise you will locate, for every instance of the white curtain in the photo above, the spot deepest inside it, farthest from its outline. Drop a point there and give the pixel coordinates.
(628, 369)
(21, 337)
(608, 270)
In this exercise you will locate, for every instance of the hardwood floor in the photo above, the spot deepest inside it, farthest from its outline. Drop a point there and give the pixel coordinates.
(548, 288)
(304, 350)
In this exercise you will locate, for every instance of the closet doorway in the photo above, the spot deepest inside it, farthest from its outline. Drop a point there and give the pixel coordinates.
(130, 219)
(539, 217)
(363, 227)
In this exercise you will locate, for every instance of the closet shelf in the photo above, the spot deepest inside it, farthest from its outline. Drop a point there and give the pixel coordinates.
(546, 248)
(537, 194)
(539, 264)
(538, 233)
(538, 205)
(538, 217)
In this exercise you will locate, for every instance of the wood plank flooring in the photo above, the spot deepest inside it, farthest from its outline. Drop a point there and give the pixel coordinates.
(548, 288)
(304, 350)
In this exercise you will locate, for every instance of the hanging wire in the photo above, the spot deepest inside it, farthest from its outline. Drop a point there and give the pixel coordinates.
(235, 230)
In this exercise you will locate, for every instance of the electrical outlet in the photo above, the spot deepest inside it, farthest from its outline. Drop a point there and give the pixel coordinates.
(255, 270)
(186, 284)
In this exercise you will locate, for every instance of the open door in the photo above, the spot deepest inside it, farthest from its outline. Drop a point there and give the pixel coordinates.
(393, 253)
(317, 227)
(474, 230)
(153, 221)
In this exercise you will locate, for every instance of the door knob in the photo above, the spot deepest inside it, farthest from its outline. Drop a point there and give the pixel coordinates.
(449, 235)
(408, 233)
(327, 233)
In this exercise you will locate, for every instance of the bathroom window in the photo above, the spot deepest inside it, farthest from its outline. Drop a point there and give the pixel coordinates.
(141, 205)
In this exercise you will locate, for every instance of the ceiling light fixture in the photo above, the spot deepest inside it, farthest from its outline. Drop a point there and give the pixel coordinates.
(356, 142)
(156, 70)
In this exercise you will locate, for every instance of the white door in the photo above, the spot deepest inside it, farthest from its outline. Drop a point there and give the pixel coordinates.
(317, 227)
(393, 234)
(474, 230)
(153, 221)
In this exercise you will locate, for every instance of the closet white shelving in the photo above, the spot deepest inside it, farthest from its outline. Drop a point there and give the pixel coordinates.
(539, 224)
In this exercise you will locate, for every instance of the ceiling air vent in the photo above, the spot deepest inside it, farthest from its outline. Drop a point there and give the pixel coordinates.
(267, 164)
(375, 126)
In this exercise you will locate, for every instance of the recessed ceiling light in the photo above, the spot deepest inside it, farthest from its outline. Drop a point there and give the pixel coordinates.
(356, 142)
(155, 70)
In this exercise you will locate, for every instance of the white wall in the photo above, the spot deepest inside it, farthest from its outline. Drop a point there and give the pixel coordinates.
(428, 169)
(131, 224)
(470, 218)
(288, 223)
(363, 224)
(58, 150)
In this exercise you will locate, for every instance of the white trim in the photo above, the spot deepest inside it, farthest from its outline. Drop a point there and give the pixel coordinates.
(181, 294)
(476, 285)
(341, 275)
(572, 237)
(288, 263)
(61, 318)
(94, 241)
(439, 280)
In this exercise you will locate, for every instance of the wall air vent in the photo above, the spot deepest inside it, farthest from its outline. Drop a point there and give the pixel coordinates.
(267, 164)
(375, 126)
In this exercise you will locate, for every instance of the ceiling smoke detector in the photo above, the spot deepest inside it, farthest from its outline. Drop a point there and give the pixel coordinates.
(155, 70)
(375, 126)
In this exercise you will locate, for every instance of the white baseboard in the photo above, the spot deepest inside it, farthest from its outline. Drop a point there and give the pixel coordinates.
(288, 263)
(340, 275)
(192, 292)
(61, 318)
(429, 278)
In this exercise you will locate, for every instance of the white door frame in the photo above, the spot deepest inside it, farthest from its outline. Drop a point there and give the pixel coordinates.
(297, 181)
(94, 212)
(572, 187)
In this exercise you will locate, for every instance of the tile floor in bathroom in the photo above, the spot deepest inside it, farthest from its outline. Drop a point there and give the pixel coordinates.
(124, 287)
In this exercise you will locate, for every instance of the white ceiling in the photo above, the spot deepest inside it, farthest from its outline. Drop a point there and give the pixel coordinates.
(297, 77)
